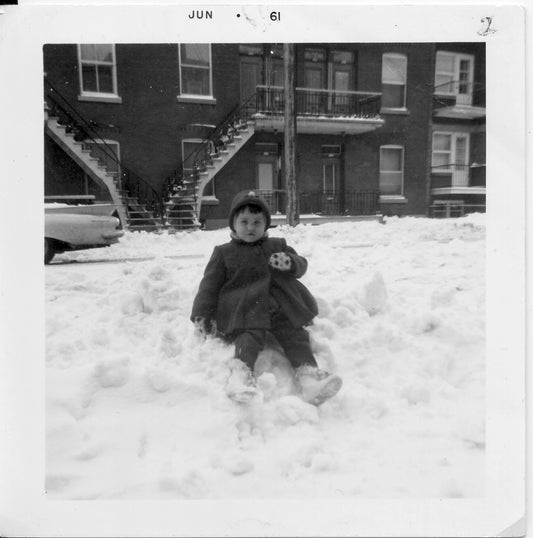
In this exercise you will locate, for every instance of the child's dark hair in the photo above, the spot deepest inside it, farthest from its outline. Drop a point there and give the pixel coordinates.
(253, 208)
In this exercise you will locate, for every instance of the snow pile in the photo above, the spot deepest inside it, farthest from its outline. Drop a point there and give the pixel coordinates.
(136, 406)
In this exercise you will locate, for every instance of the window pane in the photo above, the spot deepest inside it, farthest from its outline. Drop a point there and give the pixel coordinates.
(460, 150)
(105, 79)
(104, 53)
(394, 69)
(441, 159)
(88, 52)
(89, 78)
(195, 81)
(392, 96)
(390, 183)
(391, 159)
(443, 84)
(265, 176)
(445, 63)
(442, 142)
(251, 50)
(342, 57)
(313, 78)
(195, 54)
(315, 55)
(277, 77)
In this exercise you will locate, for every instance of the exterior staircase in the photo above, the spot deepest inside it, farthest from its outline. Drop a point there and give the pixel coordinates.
(139, 206)
(184, 192)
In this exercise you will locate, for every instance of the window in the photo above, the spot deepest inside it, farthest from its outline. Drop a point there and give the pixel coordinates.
(451, 155)
(191, 152)
(195, 70)
(449, 150)
(391, 170)
(393, 80)
(454, 75)
(98, 73)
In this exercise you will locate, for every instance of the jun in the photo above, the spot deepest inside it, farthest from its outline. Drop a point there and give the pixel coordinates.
(200, 14)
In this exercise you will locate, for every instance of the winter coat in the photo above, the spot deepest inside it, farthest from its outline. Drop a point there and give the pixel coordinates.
(240, 290)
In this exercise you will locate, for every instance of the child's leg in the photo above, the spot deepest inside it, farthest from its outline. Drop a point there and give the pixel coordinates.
(248, 344)
(295, 343)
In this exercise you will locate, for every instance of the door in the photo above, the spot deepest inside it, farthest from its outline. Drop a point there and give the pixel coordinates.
(251, 75)
(331, 187)
(465, 79)
(267, 181)
(461, 168)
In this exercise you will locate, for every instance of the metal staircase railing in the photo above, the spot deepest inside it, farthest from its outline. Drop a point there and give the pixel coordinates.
(184, 183)
(136, 193)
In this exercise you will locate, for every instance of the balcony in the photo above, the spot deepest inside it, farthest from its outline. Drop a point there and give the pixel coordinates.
(459, 100)
(354, 203)
(319, 111)
(461, 179)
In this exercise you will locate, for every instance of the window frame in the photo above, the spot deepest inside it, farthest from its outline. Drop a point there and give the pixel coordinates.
(454, 135)
(399, 56)
(194, 97)
(401, 195)
(86, 95)
(454, 82)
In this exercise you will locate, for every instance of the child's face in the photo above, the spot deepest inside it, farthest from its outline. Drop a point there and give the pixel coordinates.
(249, 227)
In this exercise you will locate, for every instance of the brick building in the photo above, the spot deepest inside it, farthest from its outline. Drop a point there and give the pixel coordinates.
(173, 131)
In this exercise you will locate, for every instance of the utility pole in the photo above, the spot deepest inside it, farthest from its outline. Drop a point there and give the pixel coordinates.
(293, 211)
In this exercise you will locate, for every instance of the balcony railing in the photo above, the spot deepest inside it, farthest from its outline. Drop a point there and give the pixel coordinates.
(458, 175)
(458, 92)
(326, 203)
(312, 102)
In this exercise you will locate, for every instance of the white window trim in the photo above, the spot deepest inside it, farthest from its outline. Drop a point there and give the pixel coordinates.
(454, 136)
(193, 96)
(401, 56)
(457, 57)
(393, 197)
(105, 97)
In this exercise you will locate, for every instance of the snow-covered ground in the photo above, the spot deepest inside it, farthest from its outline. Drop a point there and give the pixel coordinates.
(135, 399)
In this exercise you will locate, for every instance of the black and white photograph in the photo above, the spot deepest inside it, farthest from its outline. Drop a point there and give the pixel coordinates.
(275, 275)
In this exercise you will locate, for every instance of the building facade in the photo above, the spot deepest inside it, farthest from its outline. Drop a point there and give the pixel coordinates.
(395, 129)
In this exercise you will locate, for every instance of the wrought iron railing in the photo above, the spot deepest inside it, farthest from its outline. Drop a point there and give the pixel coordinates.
(84, 131)
(313, 102)
(458, 175)
(459, 92)
(184, 181)
(360, 202)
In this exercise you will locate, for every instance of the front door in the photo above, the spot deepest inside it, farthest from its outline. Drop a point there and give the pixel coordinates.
(267, 182)
(331, 186)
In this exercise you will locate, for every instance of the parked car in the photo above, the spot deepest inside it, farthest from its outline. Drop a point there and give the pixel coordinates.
(77, 231)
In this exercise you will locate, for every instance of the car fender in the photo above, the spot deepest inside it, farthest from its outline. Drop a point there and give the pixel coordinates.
(77, 230)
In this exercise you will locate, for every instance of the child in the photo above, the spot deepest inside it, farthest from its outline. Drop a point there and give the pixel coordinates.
(250, 292)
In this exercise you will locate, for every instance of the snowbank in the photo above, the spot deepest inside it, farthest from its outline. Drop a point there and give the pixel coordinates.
(135, 400)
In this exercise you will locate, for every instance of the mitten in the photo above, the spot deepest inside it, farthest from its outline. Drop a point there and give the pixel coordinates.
(280, 261)
(204, 327)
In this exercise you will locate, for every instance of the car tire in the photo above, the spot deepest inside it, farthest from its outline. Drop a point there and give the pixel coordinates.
(49, 250)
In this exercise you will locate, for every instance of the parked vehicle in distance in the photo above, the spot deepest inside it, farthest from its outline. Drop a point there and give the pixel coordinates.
(72, 229)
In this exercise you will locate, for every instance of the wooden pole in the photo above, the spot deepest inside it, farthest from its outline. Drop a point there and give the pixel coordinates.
(293, 210)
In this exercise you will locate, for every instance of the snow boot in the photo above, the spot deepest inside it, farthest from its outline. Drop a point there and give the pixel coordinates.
(241, 386)
(316, 385)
